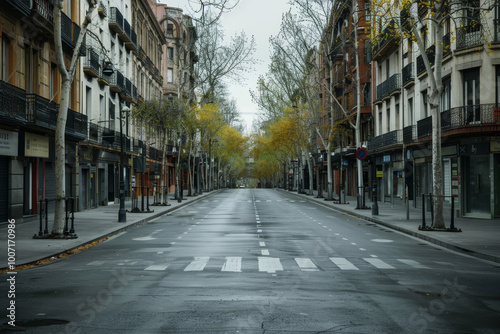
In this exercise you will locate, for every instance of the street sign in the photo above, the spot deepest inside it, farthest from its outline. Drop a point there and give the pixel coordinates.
(361, 153)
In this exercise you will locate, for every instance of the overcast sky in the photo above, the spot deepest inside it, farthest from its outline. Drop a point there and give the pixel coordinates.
(262, 19)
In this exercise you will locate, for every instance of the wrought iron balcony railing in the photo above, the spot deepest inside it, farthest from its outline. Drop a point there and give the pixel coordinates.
(410, 134)
(474, 115)
(92, 65)
(389, 86)
(116, 20)
(469, 36)
(23, 6)
(12, 103)
(387, 139)
(408, 74)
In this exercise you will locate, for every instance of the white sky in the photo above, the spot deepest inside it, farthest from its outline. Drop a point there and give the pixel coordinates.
(262, 19)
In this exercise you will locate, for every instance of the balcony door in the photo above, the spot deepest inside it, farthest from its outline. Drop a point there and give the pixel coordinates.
(471, 96)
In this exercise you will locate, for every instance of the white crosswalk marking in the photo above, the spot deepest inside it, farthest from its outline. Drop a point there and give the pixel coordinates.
(378, 263)
(265, 252)
(270, 264)
(413, 264)
(232, 264)
(343, 264)
(306, 264)
(157, 267)
(198, 264)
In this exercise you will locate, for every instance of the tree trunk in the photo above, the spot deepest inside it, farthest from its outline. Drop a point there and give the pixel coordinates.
(437, 169)
(60, 148)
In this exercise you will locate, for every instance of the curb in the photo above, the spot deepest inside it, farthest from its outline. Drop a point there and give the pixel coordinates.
(428, 238)
(115, 232)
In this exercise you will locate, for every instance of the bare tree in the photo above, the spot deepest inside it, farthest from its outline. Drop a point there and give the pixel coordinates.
(67, 76)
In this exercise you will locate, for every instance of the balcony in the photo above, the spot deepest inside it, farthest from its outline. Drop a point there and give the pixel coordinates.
(116, 82)
(410, 134)
(116, 20)
(430, 51)
(408, 74)
(67, 31)
(132, 45)
(446, 44)
(23, 6)
(42, 112)
(469, 36)
(460, 117)
(387, 139)
(43, 16)
(387, 87)
(91, 65)
(76, 124)
(337, 50)
(125, 35)
(496, 31)
(388, 40)
(12, 104)
(95, 133)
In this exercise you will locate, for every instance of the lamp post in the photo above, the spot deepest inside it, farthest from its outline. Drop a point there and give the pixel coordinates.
(122, 214)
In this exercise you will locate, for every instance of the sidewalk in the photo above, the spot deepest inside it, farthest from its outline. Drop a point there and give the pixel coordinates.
(479, 237)
(90, 226)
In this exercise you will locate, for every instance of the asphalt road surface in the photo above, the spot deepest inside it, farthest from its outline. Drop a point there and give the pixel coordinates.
(259, 261)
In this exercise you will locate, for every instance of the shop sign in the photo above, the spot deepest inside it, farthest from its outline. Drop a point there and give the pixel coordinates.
(386, 158)
(474, 149)
(36, 146)
(380, 174)
(495, 146)
(9, 143)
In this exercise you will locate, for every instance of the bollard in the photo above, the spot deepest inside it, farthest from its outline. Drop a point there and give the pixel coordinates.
(142, 199)
(423, 211)
(40, 233)
(147, 198)
(432, 209)
(46, 231)
(72, 230)
(452, 223)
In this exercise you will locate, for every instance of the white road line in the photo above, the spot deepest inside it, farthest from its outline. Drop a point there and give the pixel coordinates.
(362, 249)
(262, 244)
(413, 264)
(378, 263)
(264, 252)
(95, 263)
(198, 264)
(157, 267)
(232, 264)
(306, 264)
(345, 239)
(270, 264)
(259, 231)
(343, 263)
(353, 243)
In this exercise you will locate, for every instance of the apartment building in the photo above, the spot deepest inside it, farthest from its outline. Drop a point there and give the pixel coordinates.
(30, 86)
(119, 71)
(338, 74)
(470, 122)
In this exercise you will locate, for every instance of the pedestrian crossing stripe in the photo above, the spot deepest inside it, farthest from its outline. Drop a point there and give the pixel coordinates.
(270, 264)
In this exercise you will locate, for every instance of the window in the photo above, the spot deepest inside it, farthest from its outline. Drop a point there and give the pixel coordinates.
(410, 111)
(170, 30)
(388, 119)
(446, 95)
(367, 94)
(5, 58)
(88, 106)
(170, 75)
(498, 86)
(380, 121)
(170, 53)
(425, 107)
(471, 96)
(398, 123)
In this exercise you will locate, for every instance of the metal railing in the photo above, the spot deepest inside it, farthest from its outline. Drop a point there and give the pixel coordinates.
(69, 230)
(389, 86)
(469, 36)
(387, 139)
(410, 134)
(408, 74)
(479, 114)
(431, 198)
(12, 103)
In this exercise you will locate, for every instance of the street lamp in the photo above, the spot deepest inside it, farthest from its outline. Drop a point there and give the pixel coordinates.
(122, 214)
